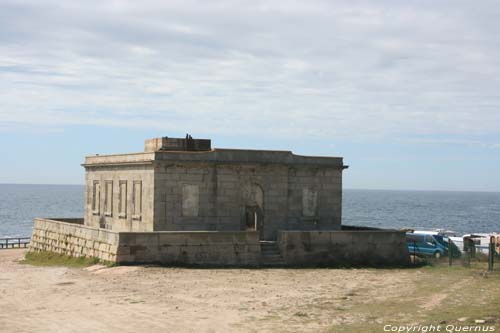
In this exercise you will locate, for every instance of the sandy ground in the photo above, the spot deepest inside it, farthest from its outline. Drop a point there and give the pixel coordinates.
(159, 299)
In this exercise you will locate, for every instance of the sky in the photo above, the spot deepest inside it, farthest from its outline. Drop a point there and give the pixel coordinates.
(408, 92)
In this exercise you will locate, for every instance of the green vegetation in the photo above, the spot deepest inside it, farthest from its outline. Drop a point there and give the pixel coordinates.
(442, 295)
(55, 259)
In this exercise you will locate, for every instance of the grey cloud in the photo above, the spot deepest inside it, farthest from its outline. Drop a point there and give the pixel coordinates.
(349, 69)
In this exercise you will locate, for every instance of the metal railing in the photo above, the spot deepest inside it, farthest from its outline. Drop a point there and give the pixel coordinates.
(14, 242)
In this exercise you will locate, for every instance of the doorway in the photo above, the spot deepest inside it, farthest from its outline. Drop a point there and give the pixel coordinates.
(252, 205)
(254, 219)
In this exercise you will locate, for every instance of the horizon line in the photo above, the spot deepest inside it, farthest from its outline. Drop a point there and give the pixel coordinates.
(343, 188)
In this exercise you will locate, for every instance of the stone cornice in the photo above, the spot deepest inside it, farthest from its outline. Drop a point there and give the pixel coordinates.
(224, 156)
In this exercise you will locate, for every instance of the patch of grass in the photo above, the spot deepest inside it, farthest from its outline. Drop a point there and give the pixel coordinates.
(441, 295)
(45, 258)
(134, 301)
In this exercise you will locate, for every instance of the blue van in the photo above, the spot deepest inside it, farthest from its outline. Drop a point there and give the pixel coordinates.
(427, 245)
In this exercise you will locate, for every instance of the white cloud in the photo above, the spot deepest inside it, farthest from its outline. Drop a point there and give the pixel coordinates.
(357, 70)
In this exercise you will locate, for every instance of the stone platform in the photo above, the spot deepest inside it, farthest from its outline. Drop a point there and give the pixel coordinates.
(372, 247)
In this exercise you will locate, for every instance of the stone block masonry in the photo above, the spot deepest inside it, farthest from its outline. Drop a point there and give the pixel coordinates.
(344, 247)
(74, 239)
(190, 248)
(182, 184)
(220, 248)
(169, 248)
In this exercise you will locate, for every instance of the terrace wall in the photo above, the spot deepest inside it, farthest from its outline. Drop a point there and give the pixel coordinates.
(220, 248)
(181, 248)
(346, 247)
(74, 239)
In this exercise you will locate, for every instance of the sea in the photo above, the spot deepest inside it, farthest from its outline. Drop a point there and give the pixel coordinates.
(462, 212)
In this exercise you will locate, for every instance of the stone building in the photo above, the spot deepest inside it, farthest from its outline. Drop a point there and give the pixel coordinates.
(184, 184)
(180, 202)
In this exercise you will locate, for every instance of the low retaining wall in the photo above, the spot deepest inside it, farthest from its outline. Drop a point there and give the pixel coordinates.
(165, 247)
(227, 248)
(72, 238)
(352, 247)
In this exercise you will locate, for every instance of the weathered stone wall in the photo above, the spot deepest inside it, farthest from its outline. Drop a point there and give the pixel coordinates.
(114, 219)
(215, 190)
(171, 248)
(331, 248)
(231, 248)
(74, 239)
(224, 190)
(190, 248)
(314, 198)
(172, 184)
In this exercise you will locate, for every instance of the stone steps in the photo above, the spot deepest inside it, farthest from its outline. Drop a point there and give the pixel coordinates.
(270, 254)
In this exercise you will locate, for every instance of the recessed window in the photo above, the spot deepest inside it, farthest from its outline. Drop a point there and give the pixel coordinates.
(309, 202)
(96, 197)
(190, 200)
(137, 200)
(108, 199)
(122, 199)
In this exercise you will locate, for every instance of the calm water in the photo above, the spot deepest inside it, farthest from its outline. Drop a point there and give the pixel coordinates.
(459, 211)
(463, 212)
(20, 204)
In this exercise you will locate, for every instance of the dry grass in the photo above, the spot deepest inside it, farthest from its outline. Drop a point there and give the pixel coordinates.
(440, 295)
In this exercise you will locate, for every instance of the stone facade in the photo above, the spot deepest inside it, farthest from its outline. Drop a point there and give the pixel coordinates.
(120, 198)
(183, 184)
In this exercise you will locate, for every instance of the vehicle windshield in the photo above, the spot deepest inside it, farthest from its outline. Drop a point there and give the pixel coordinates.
(441, 240)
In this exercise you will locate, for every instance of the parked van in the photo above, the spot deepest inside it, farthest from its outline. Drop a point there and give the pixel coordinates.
(426, 245)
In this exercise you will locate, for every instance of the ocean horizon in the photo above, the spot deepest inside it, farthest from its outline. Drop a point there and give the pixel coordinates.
(344, 188)
(460, 211)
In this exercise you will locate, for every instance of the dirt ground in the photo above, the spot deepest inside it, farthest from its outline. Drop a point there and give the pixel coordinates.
(160, 299)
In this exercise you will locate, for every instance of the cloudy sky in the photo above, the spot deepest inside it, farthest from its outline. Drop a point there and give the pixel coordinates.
(407, 91)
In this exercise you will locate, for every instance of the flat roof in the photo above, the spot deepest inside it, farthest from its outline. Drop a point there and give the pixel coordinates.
(216, 155)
